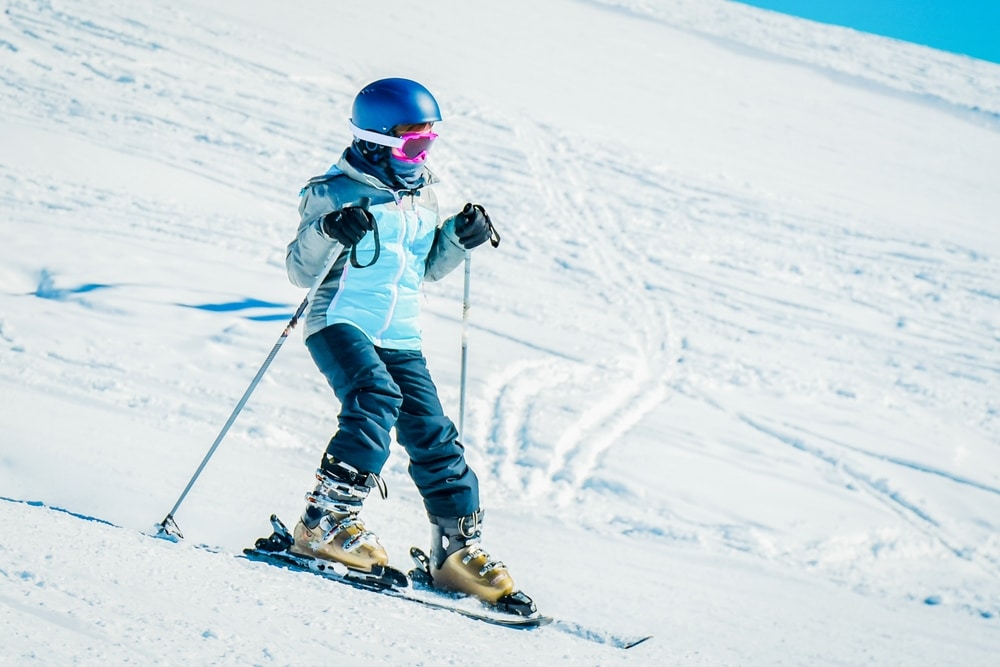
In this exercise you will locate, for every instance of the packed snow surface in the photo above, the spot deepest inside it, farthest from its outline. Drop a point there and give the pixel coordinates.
(734, 370)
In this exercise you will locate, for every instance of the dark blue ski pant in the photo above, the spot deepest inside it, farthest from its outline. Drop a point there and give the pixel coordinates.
(380, 389)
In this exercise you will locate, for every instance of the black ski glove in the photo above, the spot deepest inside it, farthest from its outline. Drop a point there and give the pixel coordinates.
(348, 225)
(472, 226)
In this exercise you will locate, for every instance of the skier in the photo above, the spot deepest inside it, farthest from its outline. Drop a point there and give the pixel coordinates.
(375, 207)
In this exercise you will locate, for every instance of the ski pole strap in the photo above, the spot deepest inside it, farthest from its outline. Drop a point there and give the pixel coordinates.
(494, 235)
(378, 250)
(364, 203)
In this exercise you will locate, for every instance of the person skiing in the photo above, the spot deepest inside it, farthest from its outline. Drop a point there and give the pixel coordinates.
(375, 209)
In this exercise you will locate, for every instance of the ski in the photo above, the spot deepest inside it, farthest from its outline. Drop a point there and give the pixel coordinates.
(387, 581)
(416, 587)
(288, 561)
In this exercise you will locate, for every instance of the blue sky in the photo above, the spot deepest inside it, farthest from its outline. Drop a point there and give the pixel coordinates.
(969, 27)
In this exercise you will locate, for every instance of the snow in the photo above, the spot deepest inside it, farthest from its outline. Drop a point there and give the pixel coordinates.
(734, 369)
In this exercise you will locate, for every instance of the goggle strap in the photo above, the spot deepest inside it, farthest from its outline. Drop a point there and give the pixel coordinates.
(376, 138)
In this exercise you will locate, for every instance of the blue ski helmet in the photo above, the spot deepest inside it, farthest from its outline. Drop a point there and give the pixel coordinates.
(386, 103)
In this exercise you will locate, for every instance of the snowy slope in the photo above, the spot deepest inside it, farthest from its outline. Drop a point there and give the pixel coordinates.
(734, 369)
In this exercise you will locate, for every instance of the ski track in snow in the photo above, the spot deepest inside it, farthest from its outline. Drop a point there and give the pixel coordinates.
(891, 494)
(528, 455)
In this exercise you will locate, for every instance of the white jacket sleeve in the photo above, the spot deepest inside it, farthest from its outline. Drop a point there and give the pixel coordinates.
(446, 253)
(307, 253)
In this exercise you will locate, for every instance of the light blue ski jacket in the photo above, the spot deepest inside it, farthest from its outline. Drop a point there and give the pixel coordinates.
(382, 300)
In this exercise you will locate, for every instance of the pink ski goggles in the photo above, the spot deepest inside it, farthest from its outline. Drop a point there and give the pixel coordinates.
(407, 147)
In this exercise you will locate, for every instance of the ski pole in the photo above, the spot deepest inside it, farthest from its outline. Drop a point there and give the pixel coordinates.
(168, 527)
(494, 239)
(466, 303)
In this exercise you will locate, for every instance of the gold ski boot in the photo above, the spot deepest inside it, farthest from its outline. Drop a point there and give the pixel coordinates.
(459, 563)
(330, 528)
